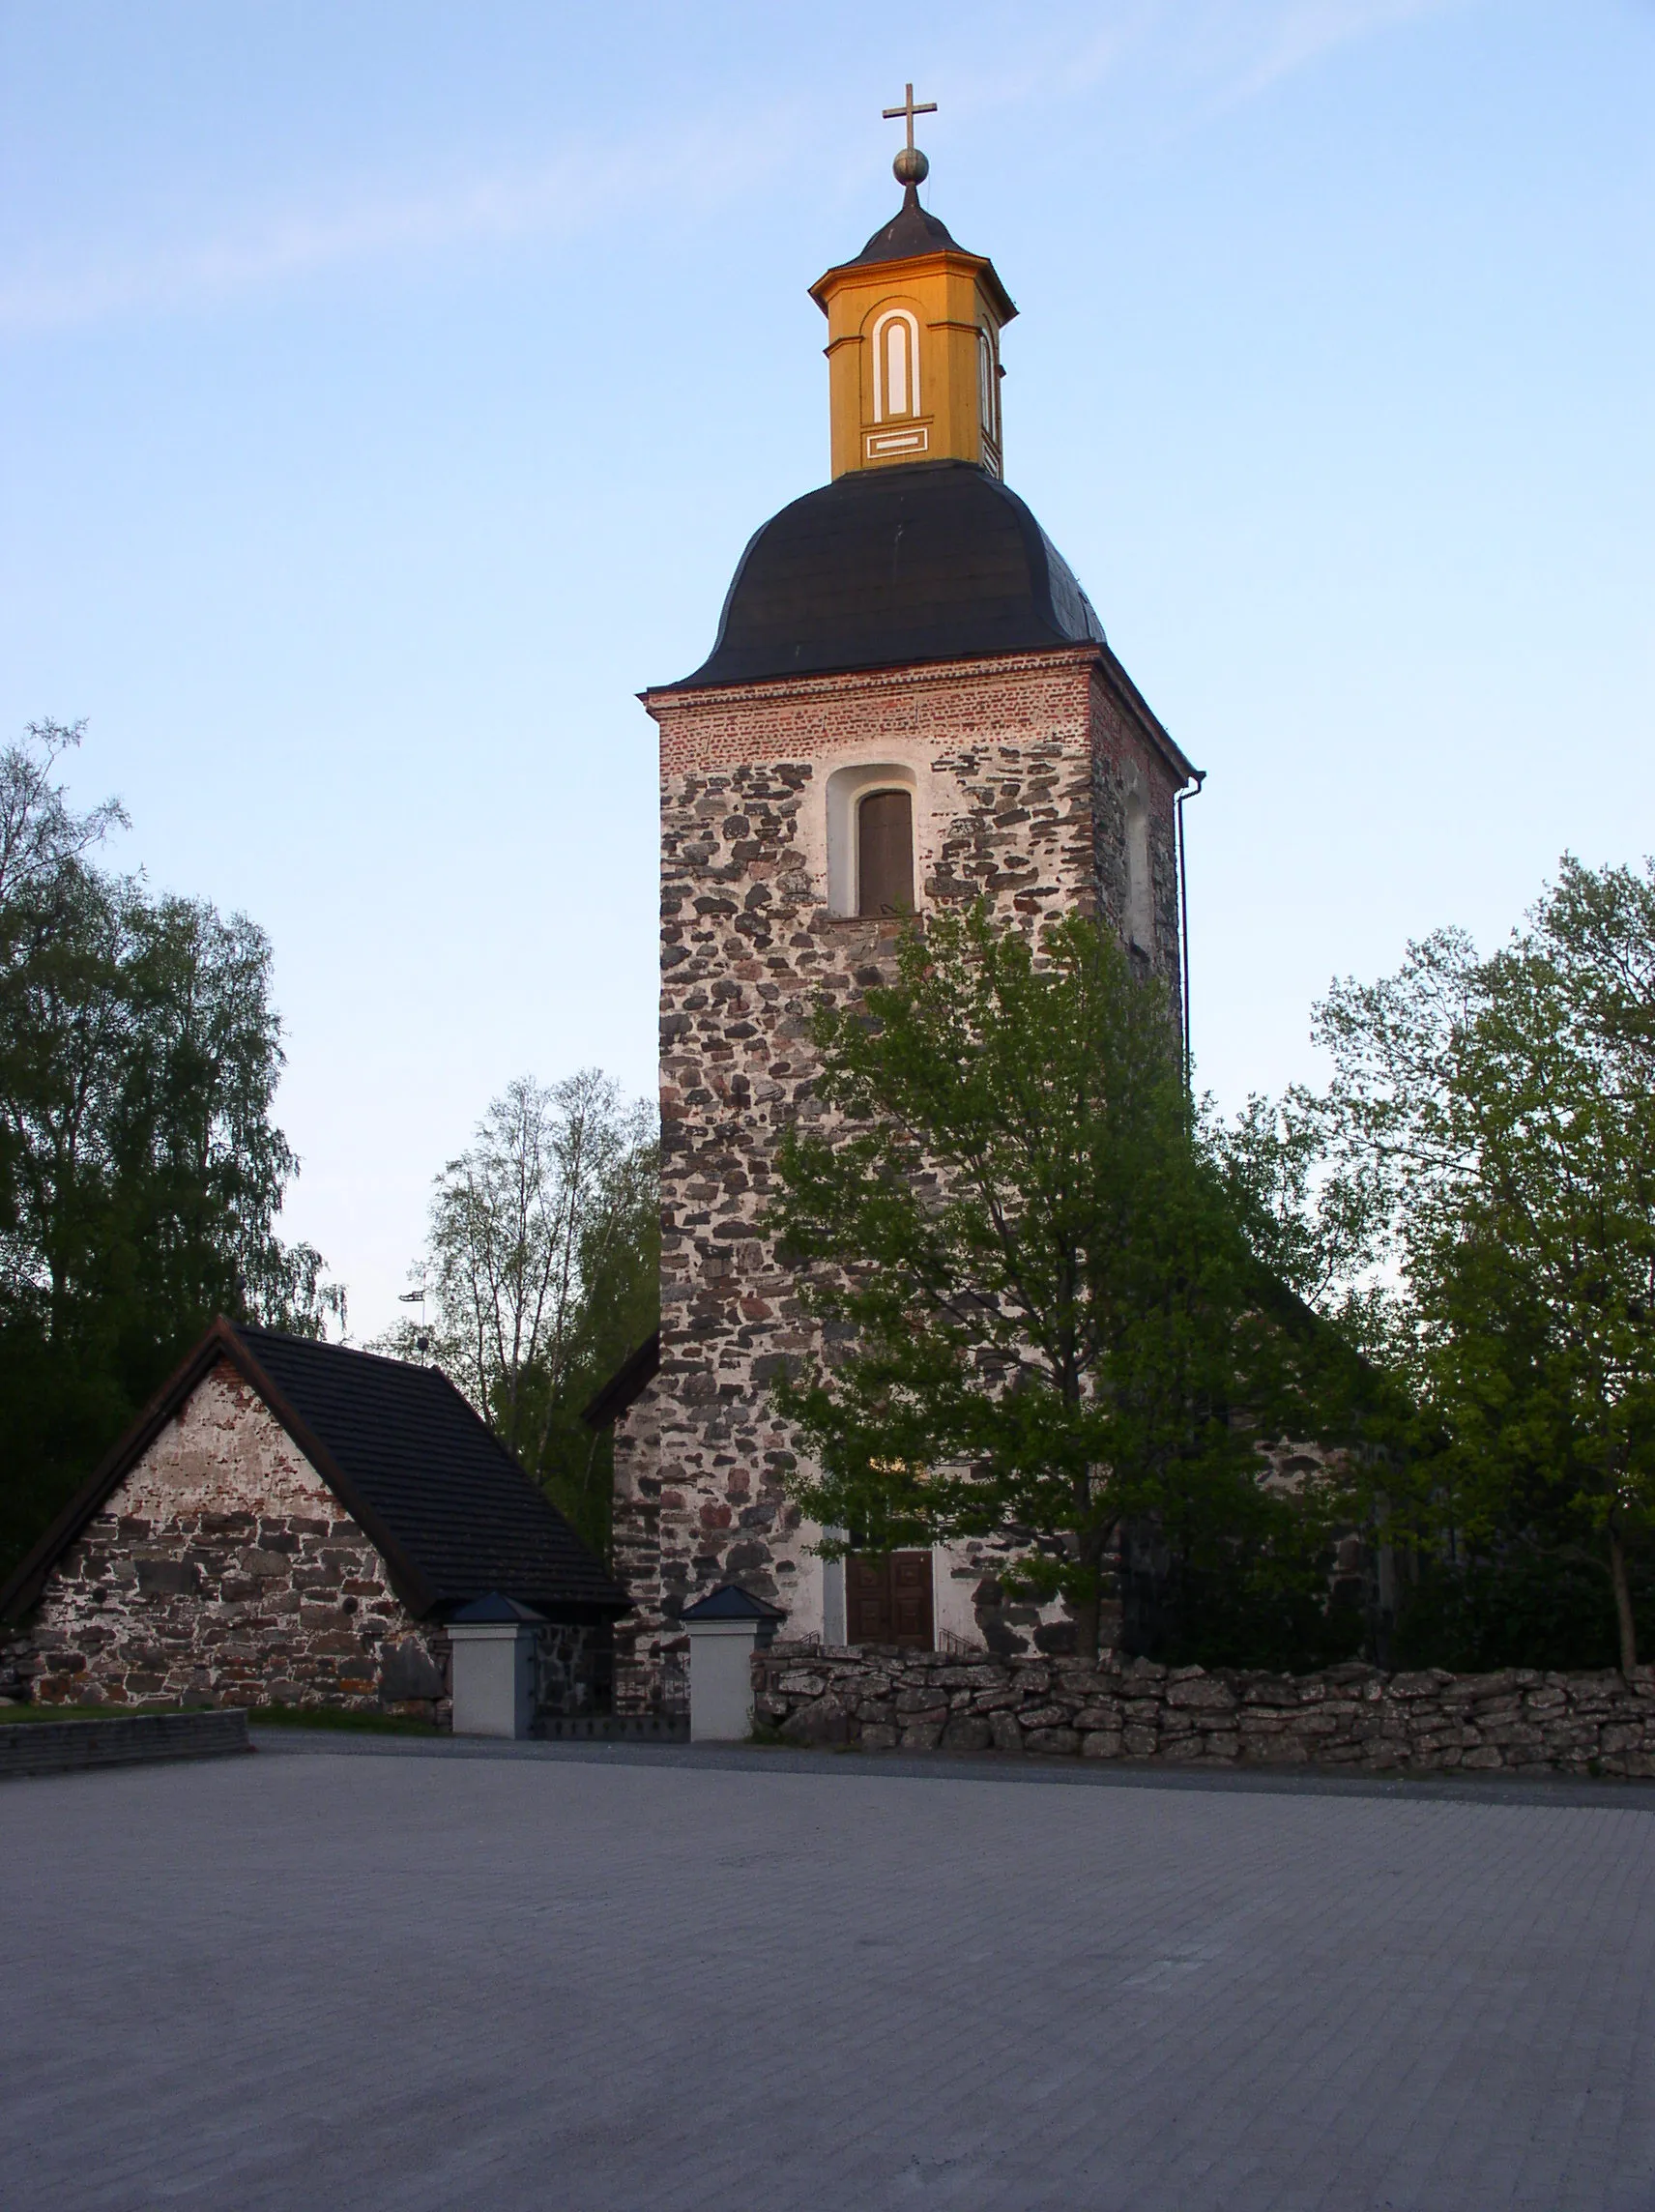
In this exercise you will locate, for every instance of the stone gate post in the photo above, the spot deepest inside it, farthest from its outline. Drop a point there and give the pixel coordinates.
(493, 1645)
(725, 1629)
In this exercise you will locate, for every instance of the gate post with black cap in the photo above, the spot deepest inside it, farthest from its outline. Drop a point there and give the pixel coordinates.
(725, 1628)
(492, 1641)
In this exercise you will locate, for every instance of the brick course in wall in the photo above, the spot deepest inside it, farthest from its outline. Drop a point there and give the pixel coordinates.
(1021, 769)
(1519, 1720)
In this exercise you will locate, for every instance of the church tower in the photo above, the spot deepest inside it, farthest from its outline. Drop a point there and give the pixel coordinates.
(910, 704)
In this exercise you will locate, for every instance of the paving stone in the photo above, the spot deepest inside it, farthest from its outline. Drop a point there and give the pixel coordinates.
(390, 1982)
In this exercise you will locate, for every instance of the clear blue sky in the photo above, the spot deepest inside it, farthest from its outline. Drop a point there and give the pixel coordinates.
(389, 389)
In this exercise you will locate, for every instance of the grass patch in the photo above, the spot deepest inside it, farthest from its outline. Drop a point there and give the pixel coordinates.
(764, 1737)
(334, 1717)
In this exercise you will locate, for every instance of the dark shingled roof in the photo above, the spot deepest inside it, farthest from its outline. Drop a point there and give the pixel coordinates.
(883, 568)
(451, 1513)
(732, 1603)
(909, 232)
(459, 1507)
(626, 1386)
(494, 1611)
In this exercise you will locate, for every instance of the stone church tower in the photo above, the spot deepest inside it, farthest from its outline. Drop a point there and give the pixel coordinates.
(909, 703)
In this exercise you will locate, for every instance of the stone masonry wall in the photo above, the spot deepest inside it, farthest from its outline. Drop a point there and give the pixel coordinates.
(1015, 763)
(223, 1568)
(574, 1665)
(1519, 1720)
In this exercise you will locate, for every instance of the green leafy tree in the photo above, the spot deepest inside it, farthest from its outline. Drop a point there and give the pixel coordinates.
(1502, 1110)
(140, 1172)
(1050, 1318)
(541, 1272)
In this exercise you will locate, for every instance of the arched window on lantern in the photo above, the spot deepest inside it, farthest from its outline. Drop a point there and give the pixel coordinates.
(885, 853)
(896, 363)
(988, 386)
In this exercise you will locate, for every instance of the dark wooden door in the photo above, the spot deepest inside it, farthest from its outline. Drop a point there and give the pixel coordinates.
(884, 853)
(888, 1600)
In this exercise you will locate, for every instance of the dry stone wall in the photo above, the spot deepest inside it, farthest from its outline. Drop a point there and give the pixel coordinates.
(575, 1668)
(1519, 1720)
(225, 1569)
(1009, 760)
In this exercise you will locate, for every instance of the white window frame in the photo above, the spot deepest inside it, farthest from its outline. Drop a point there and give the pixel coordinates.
(881, 324)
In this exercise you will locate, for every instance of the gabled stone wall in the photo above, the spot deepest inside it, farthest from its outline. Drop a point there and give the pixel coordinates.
(1019, 767)
(1519, 1720)
(225, 1569)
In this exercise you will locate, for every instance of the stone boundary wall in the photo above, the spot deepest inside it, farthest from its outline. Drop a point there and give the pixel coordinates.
(66, 1747)
(1519, 1720)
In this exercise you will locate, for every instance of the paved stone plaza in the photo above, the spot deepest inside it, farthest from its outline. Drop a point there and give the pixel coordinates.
(332, 1976)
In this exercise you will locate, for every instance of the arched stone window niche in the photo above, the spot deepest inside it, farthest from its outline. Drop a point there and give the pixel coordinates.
(873, 845)
(1140, 880)
(895, 342)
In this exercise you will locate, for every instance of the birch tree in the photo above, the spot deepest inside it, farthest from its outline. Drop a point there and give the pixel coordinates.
(541, 1265)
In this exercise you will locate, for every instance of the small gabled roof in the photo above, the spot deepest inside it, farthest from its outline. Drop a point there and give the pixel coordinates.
(451, 1512)
(732, 1603)
(494, 1611)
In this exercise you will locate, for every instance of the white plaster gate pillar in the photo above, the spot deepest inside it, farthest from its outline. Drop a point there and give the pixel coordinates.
(725, 1629)
(492, 1641)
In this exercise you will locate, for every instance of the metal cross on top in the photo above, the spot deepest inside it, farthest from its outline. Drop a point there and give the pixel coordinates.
(909, 111)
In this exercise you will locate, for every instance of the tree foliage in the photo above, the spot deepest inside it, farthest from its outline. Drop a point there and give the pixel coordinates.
(541, 1273)
(140, 1172)
(1500, 1113)
(1043, 1312)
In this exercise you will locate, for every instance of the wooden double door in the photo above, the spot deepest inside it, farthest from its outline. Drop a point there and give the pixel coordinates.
(888, 1600)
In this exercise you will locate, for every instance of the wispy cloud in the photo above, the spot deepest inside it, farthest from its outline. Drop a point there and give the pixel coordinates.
(1218, 52)
(580, 189)
(1302, 31)
(1223, 51)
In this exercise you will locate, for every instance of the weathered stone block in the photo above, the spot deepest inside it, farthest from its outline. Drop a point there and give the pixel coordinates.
(168, 1577)
(1181, 1750)
(1283, 1750)
(966, 1732)
(824, 1722)
(1055, 1741)
(1200, 1692)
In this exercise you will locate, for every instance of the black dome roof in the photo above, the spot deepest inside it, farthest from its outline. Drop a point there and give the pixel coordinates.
(936, 561)
(909, 232)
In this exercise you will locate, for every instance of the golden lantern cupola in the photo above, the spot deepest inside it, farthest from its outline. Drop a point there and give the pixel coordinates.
(913, 325)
